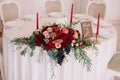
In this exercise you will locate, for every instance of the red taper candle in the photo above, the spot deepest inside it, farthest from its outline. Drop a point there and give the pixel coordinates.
(98, 24)
(71, 15)
(37, 20)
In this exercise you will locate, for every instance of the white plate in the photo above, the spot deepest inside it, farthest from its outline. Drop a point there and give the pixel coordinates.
(29, 17)
(102, 23)
(61, 20)
(56, 15)
(81, 16)
(14, 24)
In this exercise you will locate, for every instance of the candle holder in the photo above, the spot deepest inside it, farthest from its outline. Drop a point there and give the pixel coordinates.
(97, 41)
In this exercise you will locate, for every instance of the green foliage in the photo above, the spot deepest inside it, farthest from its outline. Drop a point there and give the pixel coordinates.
(52, 53)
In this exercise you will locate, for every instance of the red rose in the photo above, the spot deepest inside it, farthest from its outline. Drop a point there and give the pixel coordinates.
(63, 44)
(56, 29)
(50, 45)
(67, 38)
(64, 38)
(46, 47)
(70, 38)
(38, 38)
(45, 28)
(59, 35)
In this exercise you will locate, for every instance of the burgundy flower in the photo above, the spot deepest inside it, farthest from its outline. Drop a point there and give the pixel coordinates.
(38, 38)
(59, 35)
(71, 32)
(46, 47)
(50, 45)
(63, 44)
(78, 32)
(83, 43)
(67, 38)
(56, 29)
(45, 28)
(70, 38)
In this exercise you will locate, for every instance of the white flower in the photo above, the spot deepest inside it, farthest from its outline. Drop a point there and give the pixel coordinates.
(73, 41)
(76, 44)
(49, 29)
(46, 34)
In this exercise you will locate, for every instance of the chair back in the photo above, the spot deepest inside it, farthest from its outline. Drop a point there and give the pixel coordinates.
(53, 6)
(9, 10)
(96, 6)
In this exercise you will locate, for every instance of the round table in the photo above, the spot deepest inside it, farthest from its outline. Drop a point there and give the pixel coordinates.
(19, 67)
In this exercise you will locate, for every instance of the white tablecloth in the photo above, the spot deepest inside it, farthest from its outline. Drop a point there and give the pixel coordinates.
(19, 67)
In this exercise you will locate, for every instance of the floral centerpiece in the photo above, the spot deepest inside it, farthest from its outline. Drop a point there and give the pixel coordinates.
(58, 40)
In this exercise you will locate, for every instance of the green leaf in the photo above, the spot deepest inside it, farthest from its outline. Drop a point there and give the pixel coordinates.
(52, 53)
(23, 52)
(76, 54)
(80, 55)
(31, 54)
(73, 24)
